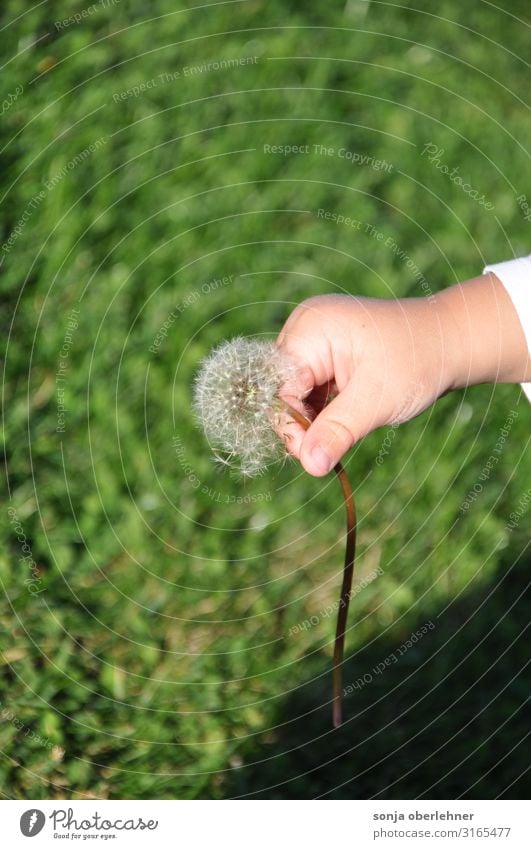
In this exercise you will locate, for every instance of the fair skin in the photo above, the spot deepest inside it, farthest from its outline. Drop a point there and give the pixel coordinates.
(386, 360)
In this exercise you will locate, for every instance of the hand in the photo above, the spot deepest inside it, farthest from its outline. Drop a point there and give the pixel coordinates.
(384, 361)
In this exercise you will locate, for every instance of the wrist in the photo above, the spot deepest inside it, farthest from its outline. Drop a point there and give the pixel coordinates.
(441, 359)
(484, 339)
(454, 356)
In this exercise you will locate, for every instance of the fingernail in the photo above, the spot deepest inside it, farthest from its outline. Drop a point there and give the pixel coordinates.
(321, 462)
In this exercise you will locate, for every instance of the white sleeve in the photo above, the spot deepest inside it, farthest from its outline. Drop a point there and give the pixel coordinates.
(516, 278)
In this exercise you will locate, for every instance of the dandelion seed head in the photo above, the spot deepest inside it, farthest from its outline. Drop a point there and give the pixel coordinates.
(236, 402)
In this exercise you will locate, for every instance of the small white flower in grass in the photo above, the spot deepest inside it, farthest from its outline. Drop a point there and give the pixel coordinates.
(236, 402)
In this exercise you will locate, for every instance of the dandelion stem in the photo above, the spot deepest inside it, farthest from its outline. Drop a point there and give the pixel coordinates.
(348, 571)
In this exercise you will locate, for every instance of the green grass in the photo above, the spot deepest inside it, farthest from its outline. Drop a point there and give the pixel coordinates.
(157, 657)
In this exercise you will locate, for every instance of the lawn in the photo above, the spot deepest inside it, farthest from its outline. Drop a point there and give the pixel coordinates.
(174, 176)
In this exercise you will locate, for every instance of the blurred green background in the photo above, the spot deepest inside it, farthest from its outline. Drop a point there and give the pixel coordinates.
(146, 611)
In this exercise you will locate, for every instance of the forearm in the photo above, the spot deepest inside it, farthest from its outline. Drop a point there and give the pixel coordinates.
(484, 338)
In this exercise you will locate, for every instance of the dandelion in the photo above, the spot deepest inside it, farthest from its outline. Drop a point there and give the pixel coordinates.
(238, 406)
(238, 403)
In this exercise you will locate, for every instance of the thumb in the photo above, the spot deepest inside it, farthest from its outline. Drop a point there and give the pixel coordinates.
(337, 427)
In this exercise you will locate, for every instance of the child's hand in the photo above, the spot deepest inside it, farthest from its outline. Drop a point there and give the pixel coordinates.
(385, 361)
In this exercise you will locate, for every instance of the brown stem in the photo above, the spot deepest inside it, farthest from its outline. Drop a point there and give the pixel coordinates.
(348, 571)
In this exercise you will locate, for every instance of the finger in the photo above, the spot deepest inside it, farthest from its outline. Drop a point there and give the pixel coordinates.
(349, 417)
